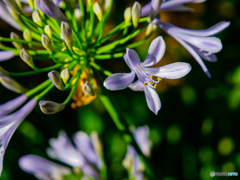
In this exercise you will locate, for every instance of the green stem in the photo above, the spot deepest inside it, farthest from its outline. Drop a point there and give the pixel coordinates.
(96, 66)
(29, 20)
(108, 56)
(76, 34)
(44, 92)
(20, 40)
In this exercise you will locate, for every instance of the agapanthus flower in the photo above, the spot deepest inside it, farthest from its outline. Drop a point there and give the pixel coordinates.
(145, 74)
(141, 135)
(85, 157)
(10, 122)
(133, 164)
(199, 43)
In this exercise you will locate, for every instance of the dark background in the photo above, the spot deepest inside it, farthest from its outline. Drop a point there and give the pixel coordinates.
(195, 132)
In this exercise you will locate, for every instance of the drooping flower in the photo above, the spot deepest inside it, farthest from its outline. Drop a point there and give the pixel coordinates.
(141, 135)
(7, 17)
(42, 168)
(145, 74)
(169, 5)
(49, 8)
(83, 157)
(199, 43)
(9, 123)
(133, 164)
(50, 107)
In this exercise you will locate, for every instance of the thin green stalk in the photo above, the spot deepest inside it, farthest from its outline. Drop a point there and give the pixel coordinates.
(96, 66)
(76, 34)
(108, 56)
(20, 40)
(44, 92)
(38, 88)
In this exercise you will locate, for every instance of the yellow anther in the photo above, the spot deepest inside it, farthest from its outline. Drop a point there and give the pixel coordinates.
(151, 77)
(151, 82)
(144, 84)
(155, 85)
(160, 79)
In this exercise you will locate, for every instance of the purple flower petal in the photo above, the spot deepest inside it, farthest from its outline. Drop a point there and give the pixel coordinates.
(205, 55)
(91, 171)
(63, 150)
(136, 86)
(171, 71)
(152, 98)
(85, 146)
(155, 6)
(7, 17)
(42, 168)
(12, 4)
(10, 106)
(49, 8)
(155, 52)
(6, 55)
(27, 9)
(12, 123)
(131, 58)
(119, 81)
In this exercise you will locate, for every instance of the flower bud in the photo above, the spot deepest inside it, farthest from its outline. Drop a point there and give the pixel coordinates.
(13, 5)
(107, 4)
(3, 72)
(17, 45)
(98, 10)
(46, 42)
(36, 18)
(136, 13)
(88, 89)
(78, 15)
(56, 79)
(48, 31)
(26, 57)
(27, 35)
(31, 3)
(12, 85)
(66, 34)
(155, 6)
(150, 28)
(51, 9)
(50, 107)
(127, 15)
(65, 75)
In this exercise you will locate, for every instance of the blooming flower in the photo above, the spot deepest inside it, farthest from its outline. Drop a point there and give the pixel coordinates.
(84, 157)
(133, 164)
(141, 135)
(145, 74)
(9, 123)
(199, 43)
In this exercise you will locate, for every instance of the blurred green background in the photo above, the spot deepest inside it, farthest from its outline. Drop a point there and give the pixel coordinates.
(195, 132)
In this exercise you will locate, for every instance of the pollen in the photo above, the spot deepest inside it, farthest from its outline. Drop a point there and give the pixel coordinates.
(151, 77)
(144, 84)
(160, 79)
(155, 85)
(151, 82)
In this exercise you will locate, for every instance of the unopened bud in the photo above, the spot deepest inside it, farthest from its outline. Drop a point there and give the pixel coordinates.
(17, 45)
(65, 75)
(88, 89)
(127, 15)
(78, 14)
(46, 42)
(3, 72)
(107, 4)
(12, 85)
(50, 107)
(36, 18)
(48, 31)
(150, 28)
(27, 35)
(31, 3)
(66, 34)
(26, 57)
(56, 79)
(136, 13)
(90, 2)
(13, 5)
(98, 10)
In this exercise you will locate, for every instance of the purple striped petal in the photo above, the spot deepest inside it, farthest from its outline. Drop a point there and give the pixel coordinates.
(12, 4)
(155, 6)
(6, 55)
(49, 8)
(136, 86)
(171, 71)
(7, 131)
(63, 150)
(119, 81)
(10, 106)
(152, 98)
(85, 146)
(42, 168)
(155, 52)
(131, 58)
(7, 17)
(205, 55)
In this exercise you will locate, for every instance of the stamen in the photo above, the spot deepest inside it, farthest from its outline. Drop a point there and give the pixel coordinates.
(159, 79)
(151, 82)
(144, 84)
(155, 85)
(151, 77)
